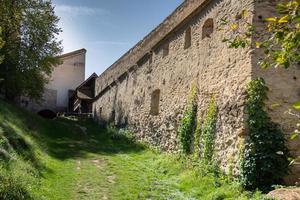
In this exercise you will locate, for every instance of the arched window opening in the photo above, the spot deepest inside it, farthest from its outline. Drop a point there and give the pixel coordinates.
(188, 38)
(208, 28)
(155, 98)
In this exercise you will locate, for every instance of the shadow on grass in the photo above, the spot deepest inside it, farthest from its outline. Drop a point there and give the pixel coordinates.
(65, 139)
(60, 138)
(13, 142)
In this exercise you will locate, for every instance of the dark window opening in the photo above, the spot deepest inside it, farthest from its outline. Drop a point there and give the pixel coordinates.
(100, 111)
(150, 58)
(166, 50)
(208, 28)
(188, 38)
(155, 98)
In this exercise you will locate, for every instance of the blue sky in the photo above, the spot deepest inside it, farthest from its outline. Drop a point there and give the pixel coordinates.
(108, 28)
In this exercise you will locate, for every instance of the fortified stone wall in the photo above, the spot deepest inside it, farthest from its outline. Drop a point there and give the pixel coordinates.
(150, 95)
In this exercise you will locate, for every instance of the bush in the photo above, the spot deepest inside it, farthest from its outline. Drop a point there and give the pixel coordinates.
(265, 157)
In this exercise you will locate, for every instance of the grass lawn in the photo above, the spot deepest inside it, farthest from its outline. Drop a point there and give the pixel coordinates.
(70, 159)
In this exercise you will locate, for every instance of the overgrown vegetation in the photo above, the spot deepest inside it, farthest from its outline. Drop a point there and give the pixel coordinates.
(188, 121)
(208, 132)
(63, 162)
(265, 156)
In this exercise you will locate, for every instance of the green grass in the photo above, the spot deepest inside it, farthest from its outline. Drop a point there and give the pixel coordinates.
(56, 160)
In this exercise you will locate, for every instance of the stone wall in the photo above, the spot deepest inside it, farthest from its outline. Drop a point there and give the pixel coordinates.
(170, 67)
(146, 90)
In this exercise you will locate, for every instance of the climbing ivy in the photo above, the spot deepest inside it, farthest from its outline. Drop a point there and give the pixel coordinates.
(187, 125)
(265, 156)
(197, 144)
(208, 132)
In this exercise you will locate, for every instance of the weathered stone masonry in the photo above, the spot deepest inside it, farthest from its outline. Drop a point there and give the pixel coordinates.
(146, 89)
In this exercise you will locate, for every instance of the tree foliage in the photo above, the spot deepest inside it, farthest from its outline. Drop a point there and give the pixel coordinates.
(1, 45)
(265, 157)
(281, 41)
(29, 31)
(282, 47)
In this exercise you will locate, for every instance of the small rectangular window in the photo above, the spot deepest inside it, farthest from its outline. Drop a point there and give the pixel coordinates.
(100, 111)
(155, 98)
(150, 58)
(166, 50)
(188, 38)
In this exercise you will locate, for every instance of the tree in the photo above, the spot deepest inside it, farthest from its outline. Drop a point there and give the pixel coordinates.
(29, 31)
(1, 45)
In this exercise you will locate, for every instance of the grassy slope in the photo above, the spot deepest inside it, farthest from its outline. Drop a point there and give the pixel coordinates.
(57, 160)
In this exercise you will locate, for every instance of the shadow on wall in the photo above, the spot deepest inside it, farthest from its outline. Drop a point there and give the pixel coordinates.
(121, 118)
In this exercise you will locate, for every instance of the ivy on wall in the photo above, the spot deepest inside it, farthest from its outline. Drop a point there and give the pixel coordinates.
(197, 138)
(188, 121)
(265, 156)
(208, 132)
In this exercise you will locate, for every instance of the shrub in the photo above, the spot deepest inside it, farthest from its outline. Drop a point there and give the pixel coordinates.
(187, 125)
(265, 156)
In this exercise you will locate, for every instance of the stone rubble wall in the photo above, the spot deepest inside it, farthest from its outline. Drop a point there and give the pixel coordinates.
(125, 96)
(129, 59)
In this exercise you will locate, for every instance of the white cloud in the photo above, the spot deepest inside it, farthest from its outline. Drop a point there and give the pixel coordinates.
(103, 42)
(79, 10)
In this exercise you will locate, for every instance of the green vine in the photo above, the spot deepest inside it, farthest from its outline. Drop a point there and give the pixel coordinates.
(197, 144)
(187, 125)
(265, 156)
(208, 132)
